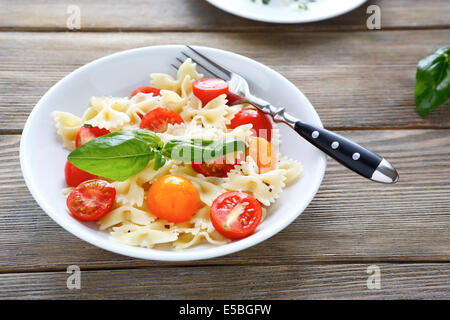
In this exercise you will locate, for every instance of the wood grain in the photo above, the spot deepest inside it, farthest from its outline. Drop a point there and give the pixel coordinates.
(350, 219)
(398, 281)
(195, 15)
(361, 80)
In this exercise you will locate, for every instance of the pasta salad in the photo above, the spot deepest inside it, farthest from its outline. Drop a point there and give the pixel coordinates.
(176, 164)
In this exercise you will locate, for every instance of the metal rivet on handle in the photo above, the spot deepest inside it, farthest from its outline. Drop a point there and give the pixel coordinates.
(356, 156)
(335, 145)
(315, 134)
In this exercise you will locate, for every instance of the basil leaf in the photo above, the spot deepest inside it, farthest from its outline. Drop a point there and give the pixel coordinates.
(181, 150)
(149, 137)
(203, 143)
(120, 155)
(116, 156)
(218, 149)
(432, 81)
(201, 150)
(159, 160)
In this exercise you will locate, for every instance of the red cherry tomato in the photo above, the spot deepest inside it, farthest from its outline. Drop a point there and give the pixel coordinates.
(233, 98)
(157, 119)
(262, 127)
(75, 176)
(207, 89)
(235, 214)
(146, 89)
(214, 168)
(91, 200)
(87, 133)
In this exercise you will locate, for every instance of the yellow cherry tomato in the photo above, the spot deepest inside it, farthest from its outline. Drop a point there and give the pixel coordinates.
(263, 153)
(173, 198)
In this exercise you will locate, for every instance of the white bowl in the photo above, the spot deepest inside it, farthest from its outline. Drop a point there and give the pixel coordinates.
(42, 156)
(278, 12)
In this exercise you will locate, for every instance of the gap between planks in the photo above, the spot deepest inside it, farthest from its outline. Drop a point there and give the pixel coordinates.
(272, 29)
(214, 265)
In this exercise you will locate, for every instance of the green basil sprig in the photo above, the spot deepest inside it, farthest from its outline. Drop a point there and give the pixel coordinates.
(432, 81)
(120, 155)
(201, 150)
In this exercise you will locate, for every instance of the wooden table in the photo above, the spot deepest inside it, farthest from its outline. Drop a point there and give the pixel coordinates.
(361, 82)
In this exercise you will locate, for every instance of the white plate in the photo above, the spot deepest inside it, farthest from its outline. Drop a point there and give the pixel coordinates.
(278, 12)
(42, 156)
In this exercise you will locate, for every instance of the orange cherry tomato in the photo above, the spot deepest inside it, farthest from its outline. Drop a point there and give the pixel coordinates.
(173, 198)
(207, 89)
(146, 89)
(158, 119)
(263, 153)
(91, 199)
(235, 214)
(75, 176)
(87, 133)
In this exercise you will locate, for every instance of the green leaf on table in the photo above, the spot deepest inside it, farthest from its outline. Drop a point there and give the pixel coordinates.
(432, 81)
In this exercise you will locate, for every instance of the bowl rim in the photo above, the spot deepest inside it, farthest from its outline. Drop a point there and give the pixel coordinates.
(147, 253)
(299, 20)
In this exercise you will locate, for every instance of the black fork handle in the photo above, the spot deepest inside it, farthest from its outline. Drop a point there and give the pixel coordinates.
(350, 154)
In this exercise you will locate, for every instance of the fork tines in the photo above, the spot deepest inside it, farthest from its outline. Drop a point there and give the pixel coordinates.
(208, 65)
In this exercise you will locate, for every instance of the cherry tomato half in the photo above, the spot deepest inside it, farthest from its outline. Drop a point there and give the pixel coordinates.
(262, 127)
(146, 89)
(91, 200)
(157, 119)
(207, 89)
(87, 133)
(75, 176)
(173, 198)
(235, 214)
(214, 168)
(263, 153)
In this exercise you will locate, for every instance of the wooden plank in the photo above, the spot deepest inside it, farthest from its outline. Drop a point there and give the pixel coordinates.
(354, 79)
(189, 15)
(350, 219)
(398, 281)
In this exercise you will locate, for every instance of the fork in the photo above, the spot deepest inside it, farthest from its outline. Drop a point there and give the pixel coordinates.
(350, 154)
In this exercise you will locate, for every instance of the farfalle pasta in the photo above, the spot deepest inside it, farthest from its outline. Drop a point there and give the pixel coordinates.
(131, 217)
